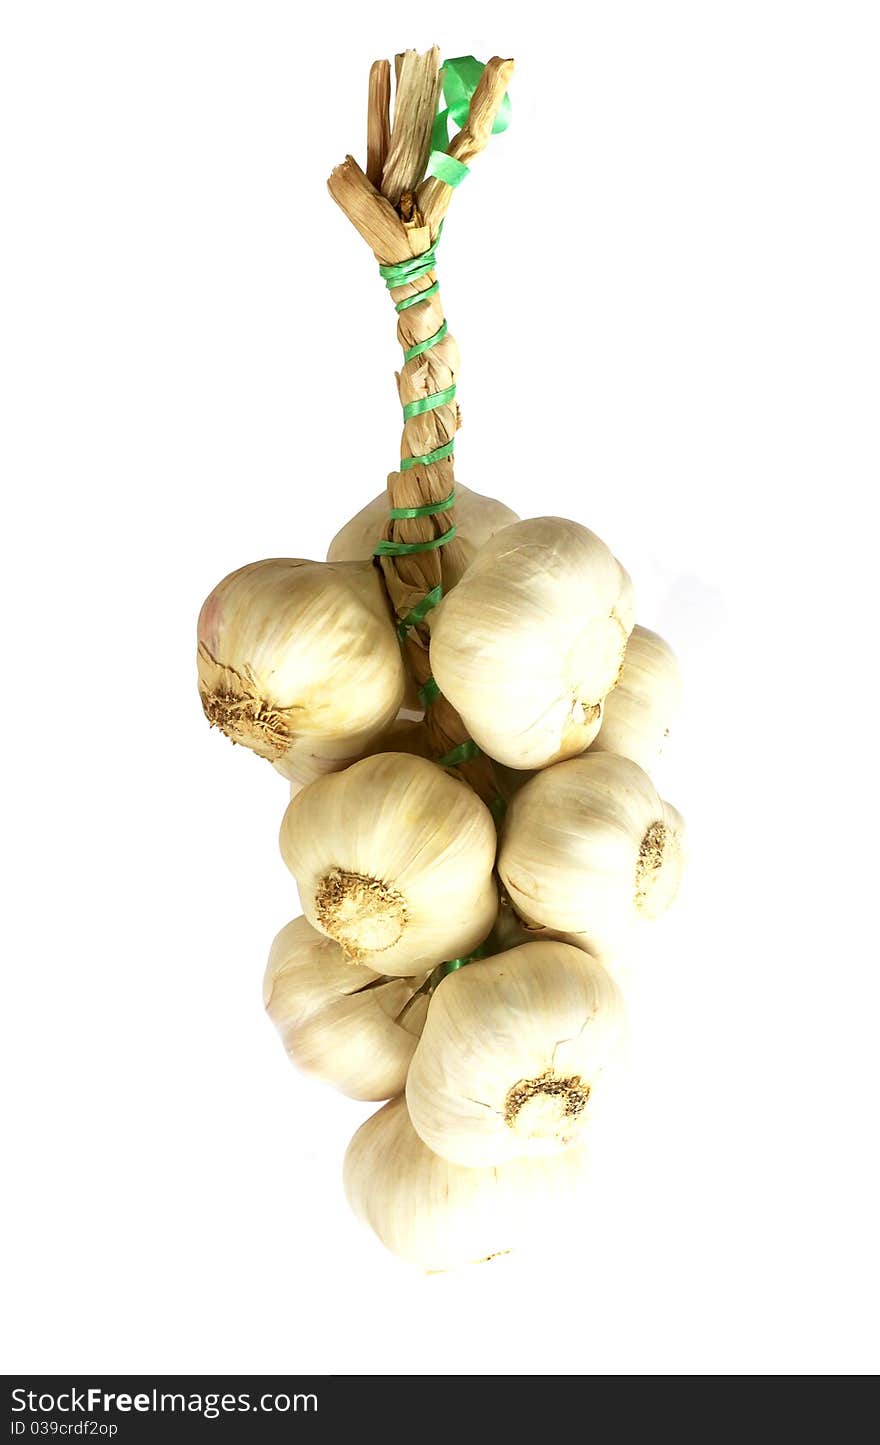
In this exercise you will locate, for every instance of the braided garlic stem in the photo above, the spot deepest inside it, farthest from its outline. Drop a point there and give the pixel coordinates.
(401, 220)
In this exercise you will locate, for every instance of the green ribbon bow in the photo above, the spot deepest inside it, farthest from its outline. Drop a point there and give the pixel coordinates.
(459, 79)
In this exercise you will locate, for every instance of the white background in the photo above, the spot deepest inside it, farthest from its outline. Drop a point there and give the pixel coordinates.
(664, 282)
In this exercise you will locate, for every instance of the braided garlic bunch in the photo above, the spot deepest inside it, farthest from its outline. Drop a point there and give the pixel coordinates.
(468, 716)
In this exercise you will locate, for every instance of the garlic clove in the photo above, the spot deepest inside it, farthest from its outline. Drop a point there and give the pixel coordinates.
(477, 518)
(299, 661)
(441, 1215)
(393, 860)
(340, 1022)
(532, 640)
(590, 849)
(638, 713)
(511, 1054)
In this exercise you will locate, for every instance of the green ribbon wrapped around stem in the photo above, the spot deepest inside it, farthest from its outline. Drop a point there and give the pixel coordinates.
(459, 79)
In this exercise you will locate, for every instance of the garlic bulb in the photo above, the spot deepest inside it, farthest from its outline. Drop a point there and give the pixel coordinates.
(299, 661)
(393, 859)
(440, 1215)
(589, 849)
(511, 1053)
(532, 640)
(477, 518)
(637, 714)
(340, 1022)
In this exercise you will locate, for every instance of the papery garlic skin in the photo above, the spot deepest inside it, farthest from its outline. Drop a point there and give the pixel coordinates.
(340, 1022)
(299, 661)
(532, 640)
(477, 518)
(589, 849)
(440, 1215)
(511, 1053)
(638, 712)
(393, 859)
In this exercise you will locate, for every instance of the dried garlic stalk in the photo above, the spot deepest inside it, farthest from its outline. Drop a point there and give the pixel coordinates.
(400, 219)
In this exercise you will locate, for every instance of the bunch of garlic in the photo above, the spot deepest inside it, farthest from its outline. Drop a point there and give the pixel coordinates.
(488, 1012)
(393, 860)
(339, 1021)
(300, 662)
(532, 640)
(489, 1023)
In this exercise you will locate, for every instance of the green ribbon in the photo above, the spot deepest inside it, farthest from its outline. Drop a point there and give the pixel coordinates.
(428, 459)
(447, 168)
(456, 963)
(401, 514)
(428, 693)
(422, 346)
(420, 612)
(405, 549)
(405, 273)
(419, 297)
(401, 273)
(462, 754)
(459, 79)
(429, 403)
